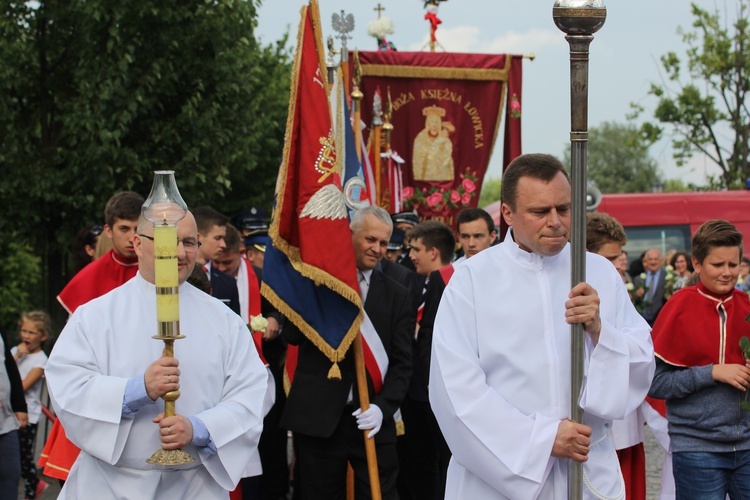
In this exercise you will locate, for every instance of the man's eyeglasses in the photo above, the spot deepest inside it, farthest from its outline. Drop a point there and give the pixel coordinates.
(189, 244)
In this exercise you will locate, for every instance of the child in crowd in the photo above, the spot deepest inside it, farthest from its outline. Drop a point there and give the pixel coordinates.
(702, 373)
(34, 328)
(743, 282)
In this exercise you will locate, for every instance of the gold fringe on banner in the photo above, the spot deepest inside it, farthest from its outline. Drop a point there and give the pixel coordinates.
(335, 355)
(437, 73)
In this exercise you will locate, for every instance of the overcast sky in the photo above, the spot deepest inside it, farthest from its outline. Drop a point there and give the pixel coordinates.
(624, 56)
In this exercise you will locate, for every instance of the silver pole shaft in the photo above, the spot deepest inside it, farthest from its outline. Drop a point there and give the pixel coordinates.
(579, 75)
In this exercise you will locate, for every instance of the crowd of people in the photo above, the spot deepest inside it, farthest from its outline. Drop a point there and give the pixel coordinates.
(475, 333)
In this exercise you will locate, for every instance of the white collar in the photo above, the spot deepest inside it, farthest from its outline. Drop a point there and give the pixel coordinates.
(526, 258)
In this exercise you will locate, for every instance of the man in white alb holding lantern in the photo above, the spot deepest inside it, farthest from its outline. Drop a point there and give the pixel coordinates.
(107, 372)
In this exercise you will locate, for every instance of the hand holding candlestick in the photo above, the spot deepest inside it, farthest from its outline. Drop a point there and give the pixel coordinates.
(162, 376)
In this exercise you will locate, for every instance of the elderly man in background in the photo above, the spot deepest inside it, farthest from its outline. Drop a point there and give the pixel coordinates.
(653, 286)
(324, 413)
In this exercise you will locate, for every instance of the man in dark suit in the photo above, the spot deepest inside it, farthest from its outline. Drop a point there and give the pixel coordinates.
(224, 288)
(414, 282)
(324, 413)
(212, 229)
(423, 453)
(402, 274)
(652, 287)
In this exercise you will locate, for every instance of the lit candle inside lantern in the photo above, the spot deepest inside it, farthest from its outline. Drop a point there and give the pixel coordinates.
(166, 274)
(164, 207)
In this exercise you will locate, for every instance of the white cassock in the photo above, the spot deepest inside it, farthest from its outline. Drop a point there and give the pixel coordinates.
(629, 431)
(500, 374)
(222, 382)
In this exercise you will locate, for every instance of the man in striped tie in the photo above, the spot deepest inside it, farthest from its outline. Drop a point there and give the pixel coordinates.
(652, 287)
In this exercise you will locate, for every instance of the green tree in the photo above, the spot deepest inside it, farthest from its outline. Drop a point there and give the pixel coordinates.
(96, 95)
(17, 259)
(676, 185)
(618, 159)
(704, 101)
(490, 191)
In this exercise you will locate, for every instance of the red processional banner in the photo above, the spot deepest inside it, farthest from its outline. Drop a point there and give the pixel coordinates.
(446, 111)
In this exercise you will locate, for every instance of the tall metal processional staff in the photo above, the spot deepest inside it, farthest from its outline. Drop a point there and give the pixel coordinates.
(579, 20)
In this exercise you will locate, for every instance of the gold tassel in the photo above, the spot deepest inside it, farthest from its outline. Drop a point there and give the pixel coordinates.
(400, 428)
(334, 372)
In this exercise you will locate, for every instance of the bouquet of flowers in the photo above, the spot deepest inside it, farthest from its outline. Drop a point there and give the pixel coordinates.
(258, 323)
(639, 299)
(380, 28)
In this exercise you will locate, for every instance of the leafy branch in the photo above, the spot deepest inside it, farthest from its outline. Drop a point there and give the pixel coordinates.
(716, 61)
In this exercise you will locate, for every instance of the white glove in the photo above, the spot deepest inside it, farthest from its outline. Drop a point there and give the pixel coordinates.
(370, 419)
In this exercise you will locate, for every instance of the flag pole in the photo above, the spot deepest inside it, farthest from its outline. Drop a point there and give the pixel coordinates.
(377, 125)
(388, 195)
(377, 148)
(345, 66)
(356, 104)
(387, 125)
(359, 357)
(318, 36)
(318, 31)
(343, 24)
(579, 20)
(364, 404)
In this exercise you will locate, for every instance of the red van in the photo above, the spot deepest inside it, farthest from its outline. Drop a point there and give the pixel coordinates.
(668, 220)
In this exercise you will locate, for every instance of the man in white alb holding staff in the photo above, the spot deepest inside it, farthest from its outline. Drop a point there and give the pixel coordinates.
(500, 373)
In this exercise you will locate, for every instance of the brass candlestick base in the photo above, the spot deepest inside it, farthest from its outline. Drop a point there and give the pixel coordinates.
(162, 456)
